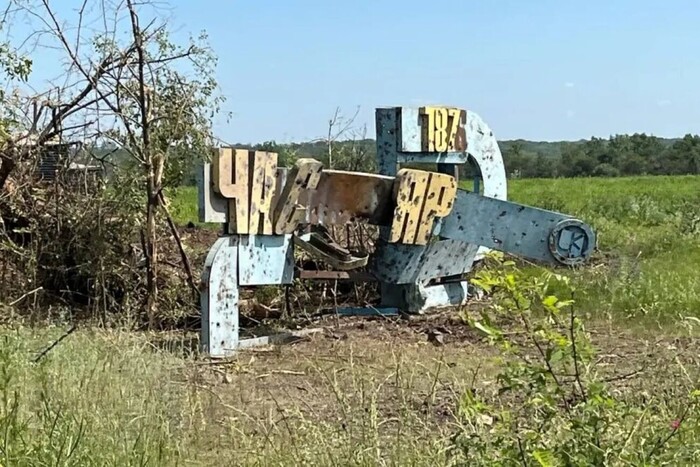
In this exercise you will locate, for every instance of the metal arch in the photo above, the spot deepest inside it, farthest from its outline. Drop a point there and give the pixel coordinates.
(483, 147)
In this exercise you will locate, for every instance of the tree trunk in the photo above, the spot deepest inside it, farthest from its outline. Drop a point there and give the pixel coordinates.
(154, 174)
(8, 161)
(150, 246)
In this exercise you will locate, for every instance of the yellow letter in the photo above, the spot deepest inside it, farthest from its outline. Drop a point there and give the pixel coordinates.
(420, 197)
(288, 212)
(262, 190)
(230, 178)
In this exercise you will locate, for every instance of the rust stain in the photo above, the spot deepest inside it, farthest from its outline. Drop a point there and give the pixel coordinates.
(342, 196)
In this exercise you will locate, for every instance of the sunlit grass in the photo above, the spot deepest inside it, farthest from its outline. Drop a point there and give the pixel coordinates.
(649, 234)
(118, 399)
(101, 398)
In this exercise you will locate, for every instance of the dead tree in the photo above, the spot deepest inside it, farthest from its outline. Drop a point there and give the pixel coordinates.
(129, 93)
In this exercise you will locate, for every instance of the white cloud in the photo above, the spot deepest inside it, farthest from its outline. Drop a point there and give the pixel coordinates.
(569, 84)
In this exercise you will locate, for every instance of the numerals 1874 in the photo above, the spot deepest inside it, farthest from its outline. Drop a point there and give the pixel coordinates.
(443, 129)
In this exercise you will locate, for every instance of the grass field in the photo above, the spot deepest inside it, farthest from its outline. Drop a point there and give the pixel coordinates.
(371, 392)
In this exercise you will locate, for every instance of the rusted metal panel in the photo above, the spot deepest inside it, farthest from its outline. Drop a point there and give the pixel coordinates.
(219, 298)
(517, 229)
(339, 197)
(321, 246)
(342, 197)
(265, 260)
(289, 211)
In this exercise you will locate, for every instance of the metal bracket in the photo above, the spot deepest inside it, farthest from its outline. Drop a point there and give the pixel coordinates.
(419, 298)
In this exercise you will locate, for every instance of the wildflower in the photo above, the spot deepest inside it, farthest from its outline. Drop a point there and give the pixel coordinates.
(675, 424)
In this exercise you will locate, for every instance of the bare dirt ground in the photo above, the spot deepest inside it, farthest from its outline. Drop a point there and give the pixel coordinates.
(422, 364)
(362, 370)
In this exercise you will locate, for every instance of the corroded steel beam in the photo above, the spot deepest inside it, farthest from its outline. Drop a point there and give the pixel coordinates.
(343, 197)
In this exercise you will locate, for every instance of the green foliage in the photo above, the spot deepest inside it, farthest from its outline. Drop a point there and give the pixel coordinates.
(116, 399)
(147, 103)
(551, 406)
(13, 66)
(86, 403)
(182, 101)
(636, 154)
(648, 239)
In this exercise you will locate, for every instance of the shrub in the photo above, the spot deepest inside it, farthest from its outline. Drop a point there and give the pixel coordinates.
(551, 405)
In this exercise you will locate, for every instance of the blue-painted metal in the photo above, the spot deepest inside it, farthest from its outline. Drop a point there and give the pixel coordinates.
(572, 242)
(211, 207)
(399, 141)
(219, 298)
(265, 260)
(233, 261)
(411, 264)
(518, 229)
(419, 298)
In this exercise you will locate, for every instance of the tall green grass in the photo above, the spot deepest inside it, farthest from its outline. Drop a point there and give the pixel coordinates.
(103, 398)
(91, 401)
(115, 399)
(649, 239)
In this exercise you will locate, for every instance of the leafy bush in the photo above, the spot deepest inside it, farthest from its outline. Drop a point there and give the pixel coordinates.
(552, 405)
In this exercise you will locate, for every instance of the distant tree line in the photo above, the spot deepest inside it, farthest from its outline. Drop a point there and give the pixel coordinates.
(618, 155)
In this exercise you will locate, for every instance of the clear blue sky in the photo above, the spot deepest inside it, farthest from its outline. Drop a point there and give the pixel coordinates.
(540, 70)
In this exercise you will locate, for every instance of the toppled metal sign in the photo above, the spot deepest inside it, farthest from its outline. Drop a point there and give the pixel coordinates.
(431, 230)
